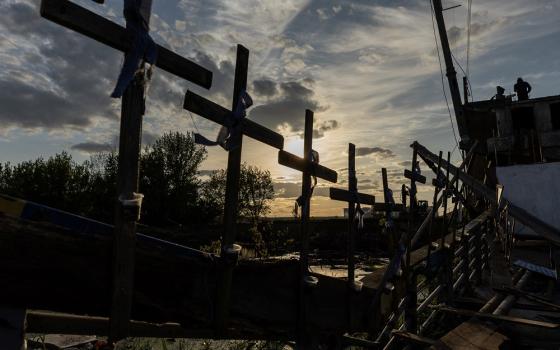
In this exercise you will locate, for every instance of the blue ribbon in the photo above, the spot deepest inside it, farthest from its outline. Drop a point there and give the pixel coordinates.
(143, 47)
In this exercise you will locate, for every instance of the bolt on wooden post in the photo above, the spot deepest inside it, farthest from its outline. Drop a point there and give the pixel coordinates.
(100, 29)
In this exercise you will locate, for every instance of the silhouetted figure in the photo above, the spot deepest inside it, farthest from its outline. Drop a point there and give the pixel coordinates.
(499, 96)
(522, 88)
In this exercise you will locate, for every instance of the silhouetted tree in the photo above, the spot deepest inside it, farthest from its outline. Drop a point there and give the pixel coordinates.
(255, 192)
(169, 181)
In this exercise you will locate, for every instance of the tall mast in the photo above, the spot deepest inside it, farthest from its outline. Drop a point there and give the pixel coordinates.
(450, 71)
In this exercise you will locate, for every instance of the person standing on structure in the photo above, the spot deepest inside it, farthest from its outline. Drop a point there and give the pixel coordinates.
(522, 88)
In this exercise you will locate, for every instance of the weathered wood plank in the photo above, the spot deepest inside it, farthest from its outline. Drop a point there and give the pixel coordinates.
(132, 113)
(417, 177)
(473, 335)
(218, 114)
(502, 318)
(77, 18)
(346, 196)
(298, 163)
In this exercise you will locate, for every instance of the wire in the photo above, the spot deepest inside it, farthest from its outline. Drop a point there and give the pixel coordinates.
(465, 74)
(442, 78)
(194, 123)
(469, 16)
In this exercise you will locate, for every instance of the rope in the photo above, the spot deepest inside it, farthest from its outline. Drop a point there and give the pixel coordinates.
(442, 75)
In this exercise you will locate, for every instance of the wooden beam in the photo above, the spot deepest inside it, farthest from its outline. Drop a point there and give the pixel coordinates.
(47, 322)
(542, 228)
(493, 317)
(292, 161)
(339, 194)
(417, 177)
(77, 18)
(218, 114)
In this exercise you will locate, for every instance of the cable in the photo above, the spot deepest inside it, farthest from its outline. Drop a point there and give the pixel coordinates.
(469, 16)
(194, 123)
(442, 78)
(465, 74)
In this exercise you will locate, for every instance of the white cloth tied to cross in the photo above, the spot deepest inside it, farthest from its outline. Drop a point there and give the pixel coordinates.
(233, 124)
(358, 212)
(304, 199)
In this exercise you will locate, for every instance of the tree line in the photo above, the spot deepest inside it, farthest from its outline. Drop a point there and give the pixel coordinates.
(175, 193)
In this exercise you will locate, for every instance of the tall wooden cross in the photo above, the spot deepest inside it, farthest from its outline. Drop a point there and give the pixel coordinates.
(353, 198)
(225, 117)
(74, 17)
(309, 167)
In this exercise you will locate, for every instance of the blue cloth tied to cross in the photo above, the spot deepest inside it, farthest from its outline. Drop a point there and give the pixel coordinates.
(143, 47)
(232, 127)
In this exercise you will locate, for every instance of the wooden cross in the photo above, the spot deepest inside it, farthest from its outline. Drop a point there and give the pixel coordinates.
(352, 197)
(74, 17)
(308, 167)
(218, 114)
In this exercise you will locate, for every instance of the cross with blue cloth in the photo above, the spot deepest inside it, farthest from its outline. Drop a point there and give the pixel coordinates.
(143, 48)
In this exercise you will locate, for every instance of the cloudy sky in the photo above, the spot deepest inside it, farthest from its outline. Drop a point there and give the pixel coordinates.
(367, 68)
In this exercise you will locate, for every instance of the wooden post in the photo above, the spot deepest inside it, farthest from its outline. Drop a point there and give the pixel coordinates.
(409, 275)
(231, 199)
(465, 238)
(478, 254)
(388, 212)
(308, 167)
(352, 197)
(132, 112)
(445, 197)
(353, 188)
(124, 246)
(302, 336)
(437, 188)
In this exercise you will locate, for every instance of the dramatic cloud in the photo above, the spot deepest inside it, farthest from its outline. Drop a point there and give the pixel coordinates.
(382, 152)
(367, 68)
(92, 147)
(265, 87)
(55, 79)
(286, 109)
(319, 131)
